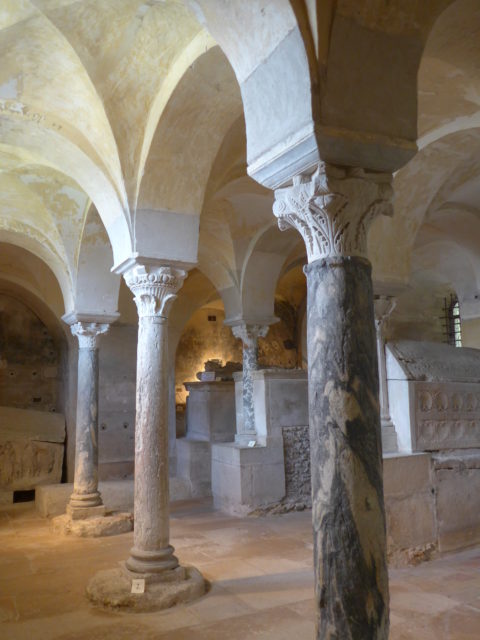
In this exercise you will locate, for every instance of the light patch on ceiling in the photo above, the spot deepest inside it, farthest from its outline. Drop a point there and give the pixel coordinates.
(9, 90)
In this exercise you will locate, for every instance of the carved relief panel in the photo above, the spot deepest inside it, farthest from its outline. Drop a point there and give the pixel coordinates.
(447, 415)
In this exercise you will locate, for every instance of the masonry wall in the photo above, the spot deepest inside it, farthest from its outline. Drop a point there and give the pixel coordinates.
(31, 375)
(205, 339)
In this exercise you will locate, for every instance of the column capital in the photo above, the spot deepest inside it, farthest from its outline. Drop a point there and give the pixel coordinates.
(383, 306)
(333, 208)
(249, 333)
(154, 288)
(88, 333)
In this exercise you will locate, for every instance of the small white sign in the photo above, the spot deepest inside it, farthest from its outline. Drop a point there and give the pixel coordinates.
(138, 585)
(252, 443)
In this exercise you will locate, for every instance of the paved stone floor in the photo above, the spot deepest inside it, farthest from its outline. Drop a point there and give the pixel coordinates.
(260, 569)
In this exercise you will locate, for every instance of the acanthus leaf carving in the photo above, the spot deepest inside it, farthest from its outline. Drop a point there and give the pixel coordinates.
(334, 208)
(154, 287)
(88, 333)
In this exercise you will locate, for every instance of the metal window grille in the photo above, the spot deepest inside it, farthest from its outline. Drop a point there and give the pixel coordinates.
(452, 321)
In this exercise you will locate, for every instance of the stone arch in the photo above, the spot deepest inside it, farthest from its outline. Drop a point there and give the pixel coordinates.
(267, 45)
(35, 246)
(96, 287)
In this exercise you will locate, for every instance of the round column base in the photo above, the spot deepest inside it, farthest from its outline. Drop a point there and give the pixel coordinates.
(111, 524)
(112, 589)
(152, 562)
(85, 500)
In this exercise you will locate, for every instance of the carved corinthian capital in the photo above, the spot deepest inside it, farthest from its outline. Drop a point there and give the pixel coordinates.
(249, 333)
(333, 209)
(154, 288)
(88, 333)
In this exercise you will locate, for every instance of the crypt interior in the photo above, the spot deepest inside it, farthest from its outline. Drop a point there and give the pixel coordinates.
(240, 319)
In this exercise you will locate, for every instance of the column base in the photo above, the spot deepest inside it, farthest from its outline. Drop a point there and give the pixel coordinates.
(111, 524)
(242, 439)
(112, 589)
(80, 513)
(151, 562)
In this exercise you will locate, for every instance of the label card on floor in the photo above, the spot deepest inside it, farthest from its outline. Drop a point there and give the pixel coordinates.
(138, 585)
(252, 443)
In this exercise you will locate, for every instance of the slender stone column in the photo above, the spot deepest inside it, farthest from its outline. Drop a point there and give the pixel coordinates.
(86, 500)
(249, 334)
(384, 305)
(154, 288)
(332, 210)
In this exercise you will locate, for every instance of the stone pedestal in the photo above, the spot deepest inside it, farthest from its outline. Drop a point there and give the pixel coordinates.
(210, 411)
(210, 418)
(112, 589)
(152, 558)
(332, 210)
(245, 478)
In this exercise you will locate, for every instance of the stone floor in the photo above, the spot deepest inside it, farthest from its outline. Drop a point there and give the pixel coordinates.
(260, 570)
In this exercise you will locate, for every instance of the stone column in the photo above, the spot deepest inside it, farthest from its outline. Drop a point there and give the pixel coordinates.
(384, 305)
(152, 566)
(248, 334)
(154, 289)
(85, 500)
(332, 210)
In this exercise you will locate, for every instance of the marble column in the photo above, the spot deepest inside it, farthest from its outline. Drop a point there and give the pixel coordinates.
(332, 210)
(86, 500)
(154, 289)
(248, 334)
(384, 305)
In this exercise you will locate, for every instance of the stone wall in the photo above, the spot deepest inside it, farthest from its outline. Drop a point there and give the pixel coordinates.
(116, 410)
(205, 337)
(296, 450)
(30, 360)
(203, 340)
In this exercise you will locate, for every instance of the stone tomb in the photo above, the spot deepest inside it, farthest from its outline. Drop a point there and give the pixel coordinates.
(210, 418)
(245, 478)
(434, 392)
(31, 450)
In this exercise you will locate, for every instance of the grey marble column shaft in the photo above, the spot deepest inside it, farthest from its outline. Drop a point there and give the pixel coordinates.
(85, 486)
(154, 289)
(249, 334)
(347, 483)
(332, 210)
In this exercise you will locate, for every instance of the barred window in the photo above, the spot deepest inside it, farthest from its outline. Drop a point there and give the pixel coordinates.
(453, 323)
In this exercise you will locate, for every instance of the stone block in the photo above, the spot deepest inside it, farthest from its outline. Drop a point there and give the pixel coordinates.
(25, 464)
(194, 464)
(457, 478)
(24, 424)
(6, 497)
(409, 502)
(410, 521)
(245, 478)
(111, 524)
(210, 411)
(117, 495)
(281, 400)
(405, 475)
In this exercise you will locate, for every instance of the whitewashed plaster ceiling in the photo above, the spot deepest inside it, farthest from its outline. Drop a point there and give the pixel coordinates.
(111, 108)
